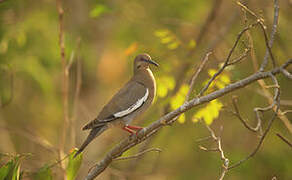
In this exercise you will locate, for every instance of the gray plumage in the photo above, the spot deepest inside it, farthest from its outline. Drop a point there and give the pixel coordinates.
(128, 103)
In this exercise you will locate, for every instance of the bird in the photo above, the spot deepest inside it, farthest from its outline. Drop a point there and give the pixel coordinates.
(133, 99)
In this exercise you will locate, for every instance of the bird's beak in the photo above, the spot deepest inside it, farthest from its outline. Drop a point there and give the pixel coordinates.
(152, 62)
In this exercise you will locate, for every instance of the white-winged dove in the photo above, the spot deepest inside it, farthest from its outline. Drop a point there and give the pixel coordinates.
(128, 103)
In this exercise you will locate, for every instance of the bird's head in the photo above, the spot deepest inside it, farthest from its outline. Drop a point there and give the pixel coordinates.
(142, 61)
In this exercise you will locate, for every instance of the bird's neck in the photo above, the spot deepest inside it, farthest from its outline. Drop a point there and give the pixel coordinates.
(145, 76)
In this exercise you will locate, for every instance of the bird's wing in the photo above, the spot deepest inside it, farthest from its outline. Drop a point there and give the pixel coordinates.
(130, 98)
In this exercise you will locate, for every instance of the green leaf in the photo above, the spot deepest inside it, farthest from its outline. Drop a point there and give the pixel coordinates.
(4, 170)
(98, 10)
(44, 173)
(73, 165)
(11, 170)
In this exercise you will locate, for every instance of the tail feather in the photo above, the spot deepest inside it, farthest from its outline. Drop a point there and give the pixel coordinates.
(93, 133)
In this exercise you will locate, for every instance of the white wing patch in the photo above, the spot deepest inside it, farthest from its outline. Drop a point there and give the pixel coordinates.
(133, 107)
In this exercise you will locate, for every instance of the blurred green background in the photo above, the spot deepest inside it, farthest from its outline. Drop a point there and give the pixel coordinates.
(105, 36)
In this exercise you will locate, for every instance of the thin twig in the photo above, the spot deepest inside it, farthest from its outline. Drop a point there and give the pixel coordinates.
(65, 84)
(238, 115)
(241, 57)
(250, 12)
(262, 83)
(139, 154)
(77, 91)
(272, 37)
(58, 161)
(269, 43)
(277, 103)
(195, 76)
(284, 139)
(218, 149)
(203, 139)
(226, 63)
(203, 31)
(37, 139)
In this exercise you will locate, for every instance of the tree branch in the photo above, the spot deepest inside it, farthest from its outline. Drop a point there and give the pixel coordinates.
(147, 132)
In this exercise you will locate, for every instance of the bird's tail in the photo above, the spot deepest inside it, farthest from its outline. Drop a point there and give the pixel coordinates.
(93, 133)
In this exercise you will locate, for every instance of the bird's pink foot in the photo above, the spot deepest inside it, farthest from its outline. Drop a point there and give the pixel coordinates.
(132, 129)
(128, 130)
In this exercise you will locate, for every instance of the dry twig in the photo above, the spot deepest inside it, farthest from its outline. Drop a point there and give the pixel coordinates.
(139, 154)
(276, 103)
(226, 63)
(195, 76)
(219, 149)
(244, 122)
(284, 139)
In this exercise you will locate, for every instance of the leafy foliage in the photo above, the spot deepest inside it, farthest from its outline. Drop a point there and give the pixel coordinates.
(167, 38)
(73, 164)
(11, 170)
(44, 173)
(209, 112)
(164, 85)
(98, 10)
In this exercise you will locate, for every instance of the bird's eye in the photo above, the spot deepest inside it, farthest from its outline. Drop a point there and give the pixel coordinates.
(143, 59)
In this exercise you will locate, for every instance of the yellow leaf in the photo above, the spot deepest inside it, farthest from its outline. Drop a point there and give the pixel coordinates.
(161, 33)
(184, 89)
(162, 90)
(131, 49)
(176, 101)
(208, 113)
(164, 84)
(179, 98)
(166, 40)
(211, 72)
(192, 44)
(208, 118)
(224, 78)
(182, 118)
(170, 82)
(219, 84)
(173, 45)
(195, 119)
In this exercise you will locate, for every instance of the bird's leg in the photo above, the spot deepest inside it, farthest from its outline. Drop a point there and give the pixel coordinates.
(135, 128)
(126, 128)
